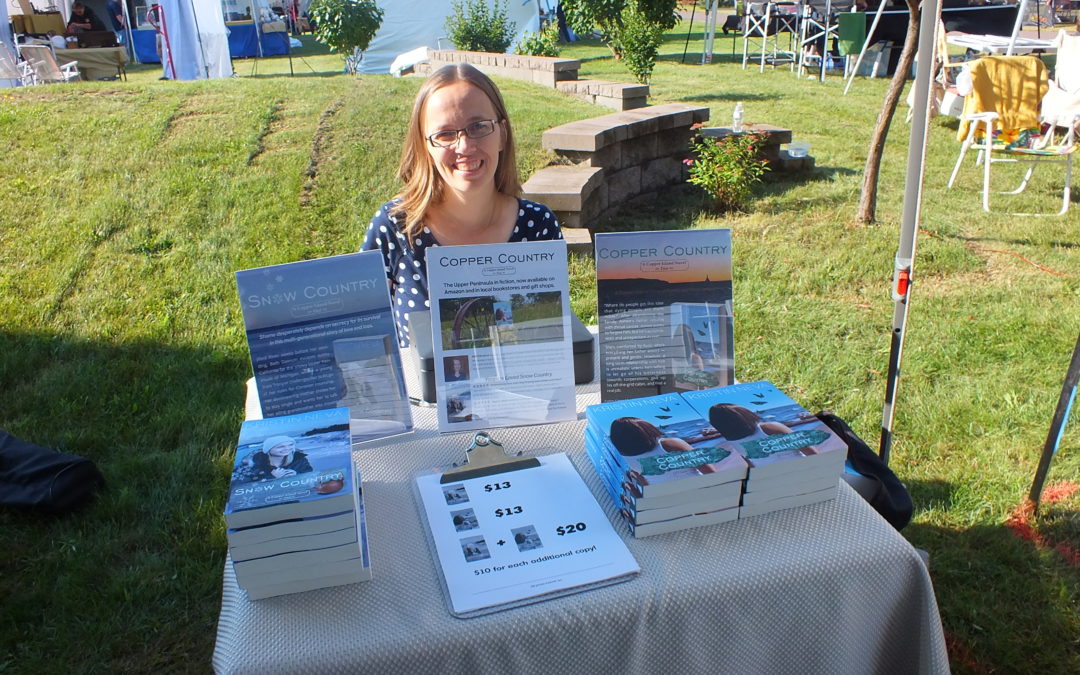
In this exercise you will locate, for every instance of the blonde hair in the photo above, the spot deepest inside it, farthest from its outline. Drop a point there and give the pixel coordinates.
(423, 185)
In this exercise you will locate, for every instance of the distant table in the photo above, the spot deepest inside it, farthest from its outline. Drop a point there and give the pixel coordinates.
(95, 63)
(828, 588)
(244, 39)
(998, 44)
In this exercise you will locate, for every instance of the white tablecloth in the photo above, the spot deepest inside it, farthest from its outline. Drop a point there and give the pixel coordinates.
(829, 588)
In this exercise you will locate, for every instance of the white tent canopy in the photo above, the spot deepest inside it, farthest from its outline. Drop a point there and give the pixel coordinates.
(422, 23)
(198, 39)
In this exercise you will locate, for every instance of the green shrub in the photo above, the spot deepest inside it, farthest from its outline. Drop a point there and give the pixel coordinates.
(544, 43)
(727, 168)
(607, 18)
(640, 42)
(346, 26)
(475, 27)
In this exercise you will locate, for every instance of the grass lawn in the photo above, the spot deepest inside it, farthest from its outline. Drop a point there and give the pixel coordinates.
(127, 206)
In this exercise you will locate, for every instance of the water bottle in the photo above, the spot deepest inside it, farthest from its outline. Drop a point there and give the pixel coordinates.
(736, 117)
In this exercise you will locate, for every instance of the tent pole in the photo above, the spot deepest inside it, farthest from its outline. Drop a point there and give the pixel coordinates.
(909, 224)
(686, 44)
(865, 44)
(1057, 425)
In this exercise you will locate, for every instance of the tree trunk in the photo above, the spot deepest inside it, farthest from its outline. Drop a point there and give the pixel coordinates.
(868, 198)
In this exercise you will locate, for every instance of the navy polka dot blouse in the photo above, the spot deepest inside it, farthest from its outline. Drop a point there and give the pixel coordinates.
(404, 260)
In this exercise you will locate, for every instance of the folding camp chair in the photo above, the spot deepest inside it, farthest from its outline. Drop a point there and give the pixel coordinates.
(1001, 121)
(44, 66)
(765, 23)
(10, 70)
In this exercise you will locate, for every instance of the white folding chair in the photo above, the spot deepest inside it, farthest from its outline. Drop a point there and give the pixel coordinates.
(44, 66)
(10, 70)
(1001, 121)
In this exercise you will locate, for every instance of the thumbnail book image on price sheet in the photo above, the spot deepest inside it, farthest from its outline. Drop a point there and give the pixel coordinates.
(665, 315)
(501, 337)
(501, 539)
(321, 335)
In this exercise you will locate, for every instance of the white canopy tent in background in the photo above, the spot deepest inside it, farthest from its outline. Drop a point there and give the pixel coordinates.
(422, 23)
(198, 40)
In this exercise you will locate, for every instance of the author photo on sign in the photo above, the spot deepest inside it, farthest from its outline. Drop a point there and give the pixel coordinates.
(461, 186)
(456, 368)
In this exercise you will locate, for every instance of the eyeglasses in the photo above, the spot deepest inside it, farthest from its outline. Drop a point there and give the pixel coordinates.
(448, 138)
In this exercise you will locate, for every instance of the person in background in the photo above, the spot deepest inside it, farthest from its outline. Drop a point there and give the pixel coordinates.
(116, 18)
(83, 19)
(461, 185)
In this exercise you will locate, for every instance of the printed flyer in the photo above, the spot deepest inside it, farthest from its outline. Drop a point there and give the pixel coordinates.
(501, 540)
(501, 334)
(664, 306)
(321, 335)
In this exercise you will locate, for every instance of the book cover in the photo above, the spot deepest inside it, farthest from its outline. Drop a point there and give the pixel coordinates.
(775, 434)
(321, 335)
(665, 312)
(295, 466)
(663, 445)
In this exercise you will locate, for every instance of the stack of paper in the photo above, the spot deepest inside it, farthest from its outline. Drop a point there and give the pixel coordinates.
(663, 465)
(295, 511)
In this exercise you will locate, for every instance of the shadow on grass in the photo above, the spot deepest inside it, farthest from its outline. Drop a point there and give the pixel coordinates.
(694, 58)
(735, 96)
(160, 423)
(990, 582)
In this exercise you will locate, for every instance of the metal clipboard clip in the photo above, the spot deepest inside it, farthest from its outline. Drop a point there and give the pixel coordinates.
(486, 457)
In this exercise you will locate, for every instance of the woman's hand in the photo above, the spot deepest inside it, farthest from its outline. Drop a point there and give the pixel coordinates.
(282, 473)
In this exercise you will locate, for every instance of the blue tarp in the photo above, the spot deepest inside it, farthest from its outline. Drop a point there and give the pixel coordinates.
(242, 43)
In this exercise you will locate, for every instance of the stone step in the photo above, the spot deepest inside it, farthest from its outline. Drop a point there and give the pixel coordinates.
(578, 240)
(594, 134)
(563, 188)
(616, 95)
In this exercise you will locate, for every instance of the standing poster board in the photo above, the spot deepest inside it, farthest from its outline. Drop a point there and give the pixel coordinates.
(321, 335)
(501, 334)
(664, 306)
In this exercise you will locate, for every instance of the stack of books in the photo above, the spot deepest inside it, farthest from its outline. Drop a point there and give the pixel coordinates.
(295, 511)
(663, 465)
(794, 458)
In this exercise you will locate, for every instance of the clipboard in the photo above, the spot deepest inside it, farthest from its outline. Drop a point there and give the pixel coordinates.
(486, 457)
(499, 540)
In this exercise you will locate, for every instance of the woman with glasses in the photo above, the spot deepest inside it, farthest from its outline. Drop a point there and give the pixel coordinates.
(461, 185)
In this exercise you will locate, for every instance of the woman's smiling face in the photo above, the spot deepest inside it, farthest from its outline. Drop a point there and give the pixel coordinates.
(470, 163)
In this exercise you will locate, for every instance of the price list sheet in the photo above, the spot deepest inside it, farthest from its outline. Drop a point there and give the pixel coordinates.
(520, 536)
